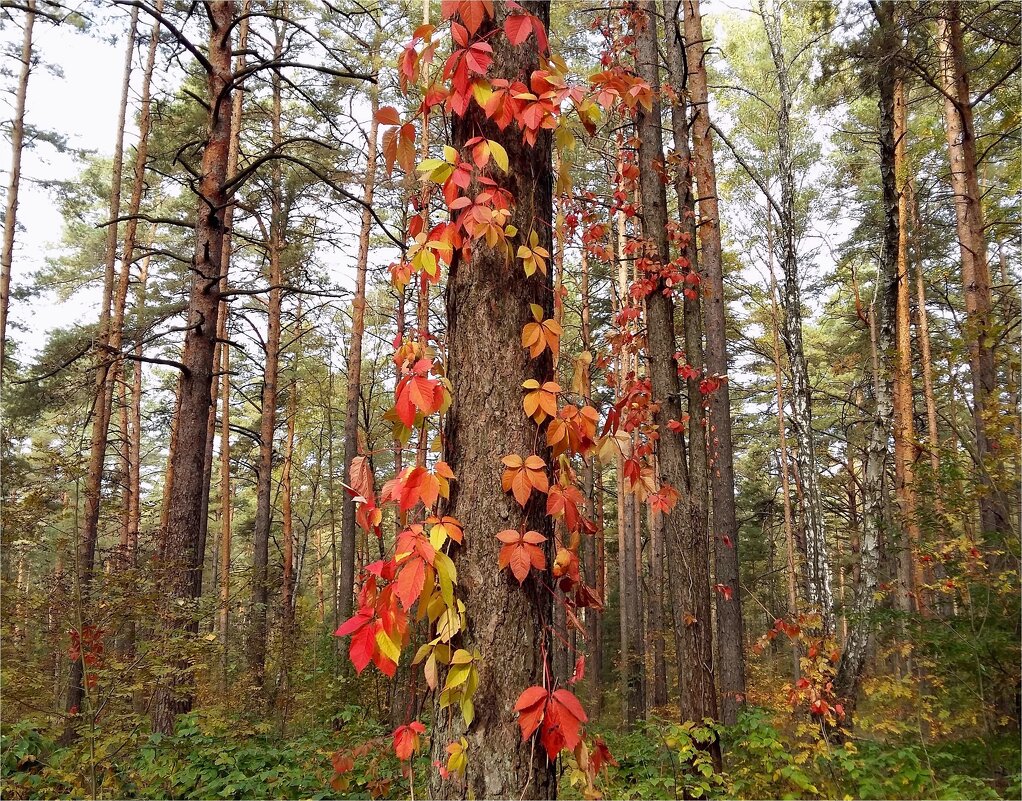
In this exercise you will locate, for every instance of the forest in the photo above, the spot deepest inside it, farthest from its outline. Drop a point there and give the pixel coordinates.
(511, 399)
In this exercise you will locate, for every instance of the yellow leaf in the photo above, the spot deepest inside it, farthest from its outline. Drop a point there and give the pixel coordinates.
(499, 154)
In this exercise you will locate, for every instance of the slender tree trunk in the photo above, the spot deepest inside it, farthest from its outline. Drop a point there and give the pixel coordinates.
(590, 551)
(226, 501)
(684, 525)
(178, 554)
(358, 307)
(270, 396)
(488, 301)
(102, 405)
(730, 627)
(817, 565)
(853, 657)
(14, 182)
(926, 364)
(782, 438)
(979, 334)
(287, 591)
(658, 696)
(904, 429)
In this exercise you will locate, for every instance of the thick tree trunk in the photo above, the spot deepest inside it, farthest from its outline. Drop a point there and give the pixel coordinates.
(178, 546)
(979, 334)
(684, 525)
(358, 307)
(488, 301)
(658, 695)
(14, 181)
(817, 564)
(102, 405)
(730, 627)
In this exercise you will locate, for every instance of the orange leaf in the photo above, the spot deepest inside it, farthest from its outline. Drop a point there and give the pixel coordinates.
(521, 552)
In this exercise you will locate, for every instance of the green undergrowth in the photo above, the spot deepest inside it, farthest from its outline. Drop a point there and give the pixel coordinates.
(660, 759)
(211, 755)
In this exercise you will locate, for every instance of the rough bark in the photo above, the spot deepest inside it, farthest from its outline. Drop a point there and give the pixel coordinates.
(979, 333)
(14, 181)
(177, 550)
(730, 626)
(488, 300)
(684, 528)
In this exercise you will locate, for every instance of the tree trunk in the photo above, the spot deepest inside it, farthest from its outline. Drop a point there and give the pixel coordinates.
(178, 546)
(226, 507)
(684, 525)
(358, 307)
(853, 657)
(102, 405)
(782, 458)
(590, 551)
(730, 627)
(817, 565)
(658, 696)
(904, 429)
(488, 301)
(961, 140)
(14, 182)
(268, 407)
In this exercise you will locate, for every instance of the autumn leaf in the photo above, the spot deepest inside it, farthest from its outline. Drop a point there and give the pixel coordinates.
(521, 552)
(559, 714)
(541, 334)
(388, 116)
(522, 476)
(518, 28)
(533, 256)
(540, 399)
(530, 706)
(406, 739)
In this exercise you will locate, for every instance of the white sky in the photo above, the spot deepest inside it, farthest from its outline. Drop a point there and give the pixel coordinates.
(81, 105)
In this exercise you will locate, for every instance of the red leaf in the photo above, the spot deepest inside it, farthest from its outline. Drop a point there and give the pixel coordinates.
(388, 116)
(580, 670)
(530, 707)
(518, 28)
(363, 646)
(406, 739)
(410, 581)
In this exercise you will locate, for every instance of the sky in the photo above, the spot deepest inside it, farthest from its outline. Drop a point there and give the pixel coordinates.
(82, 104)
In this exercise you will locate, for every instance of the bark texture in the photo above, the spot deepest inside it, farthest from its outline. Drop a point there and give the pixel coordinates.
(177, 551)
(488, 299)
(684, 525)
(730, 627)
(979, 334)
